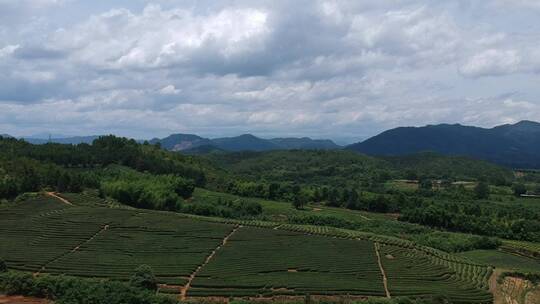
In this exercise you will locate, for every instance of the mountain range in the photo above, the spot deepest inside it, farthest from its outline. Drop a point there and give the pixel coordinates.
(192, 143)
(512, 145)
(74, 140)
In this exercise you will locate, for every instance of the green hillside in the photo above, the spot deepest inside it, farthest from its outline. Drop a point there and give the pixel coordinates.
(347, 168)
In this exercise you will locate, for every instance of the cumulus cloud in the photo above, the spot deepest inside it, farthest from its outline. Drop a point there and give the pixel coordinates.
(339, 69)
(157, 38)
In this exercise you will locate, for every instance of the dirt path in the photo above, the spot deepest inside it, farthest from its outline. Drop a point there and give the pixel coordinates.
(385, 280)
(185, 288)
(493, 288)
(21, 300)
(104, 228)
(63, 200)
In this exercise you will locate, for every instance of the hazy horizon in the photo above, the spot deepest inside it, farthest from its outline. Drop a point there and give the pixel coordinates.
(339, 141)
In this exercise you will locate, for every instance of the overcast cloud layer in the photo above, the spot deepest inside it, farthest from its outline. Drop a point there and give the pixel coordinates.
(327, 69)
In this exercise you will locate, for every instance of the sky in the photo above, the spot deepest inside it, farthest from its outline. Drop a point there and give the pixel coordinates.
(344, 70)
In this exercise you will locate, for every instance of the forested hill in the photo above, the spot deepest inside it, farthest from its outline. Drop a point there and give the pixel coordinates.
(433, 165)
(25, 167)
(347, 168)
(516, 145)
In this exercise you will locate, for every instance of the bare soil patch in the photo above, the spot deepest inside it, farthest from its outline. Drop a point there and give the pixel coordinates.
(513, 290)
(63, 200)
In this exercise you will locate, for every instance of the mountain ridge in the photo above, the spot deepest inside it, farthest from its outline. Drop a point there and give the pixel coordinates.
(243, 142)
(512, 145)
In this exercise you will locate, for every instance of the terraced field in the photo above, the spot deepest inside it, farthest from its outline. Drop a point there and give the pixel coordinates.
(293, 263)
(527, 249)
(196, 256)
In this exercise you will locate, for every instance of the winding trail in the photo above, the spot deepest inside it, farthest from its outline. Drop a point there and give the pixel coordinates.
(63, 200)
(185, 288)
(385, 280)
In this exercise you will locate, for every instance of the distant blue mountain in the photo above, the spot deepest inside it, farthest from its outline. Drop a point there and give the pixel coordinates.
(181, 142)
(245, 142)
(513, 145)
(75, 140)
(305, 143)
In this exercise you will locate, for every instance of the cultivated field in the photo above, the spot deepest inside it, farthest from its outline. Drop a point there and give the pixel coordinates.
(195, 256)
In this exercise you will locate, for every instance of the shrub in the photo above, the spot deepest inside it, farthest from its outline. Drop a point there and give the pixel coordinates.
(161, 192)
(144, 278)
(481, 190)
(64, 290)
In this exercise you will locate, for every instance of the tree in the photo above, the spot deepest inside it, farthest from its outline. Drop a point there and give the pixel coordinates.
(299, 200)
(3, 266)
(144, 278)
(426, 184)
(333, 198)
(317, 195)
(411, 175)
(481, 190)
(273, 191)
(519, 189)
(64, 181)
(352, 201)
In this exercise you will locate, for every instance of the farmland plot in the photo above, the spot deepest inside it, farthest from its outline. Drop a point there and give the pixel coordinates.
(411, 272)
(171, 245)
(266, 261)
(201, 256)
(43, 235)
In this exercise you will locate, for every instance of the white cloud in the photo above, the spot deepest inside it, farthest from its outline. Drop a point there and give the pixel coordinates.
(158, 38)
(491, 62)
(8, 50)
(169, 90)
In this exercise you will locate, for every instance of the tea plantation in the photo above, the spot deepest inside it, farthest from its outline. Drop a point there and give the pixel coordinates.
(203, 256)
